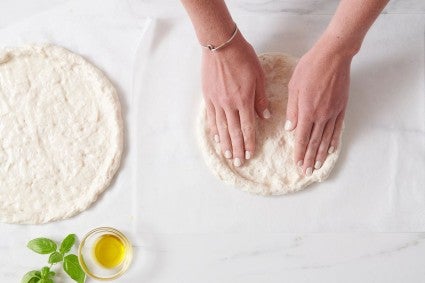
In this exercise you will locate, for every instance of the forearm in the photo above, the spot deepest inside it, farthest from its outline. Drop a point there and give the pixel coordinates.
(348, 27)
(211, 20)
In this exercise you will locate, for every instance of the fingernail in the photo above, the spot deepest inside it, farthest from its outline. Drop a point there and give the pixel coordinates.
(216, 138)
(266, 114)
(300, 163)
(318, 164)
(331, 149)
(288, 125)
(237, 162)
(247, 155)
(309, 171)
(227, 154)
(300, 170)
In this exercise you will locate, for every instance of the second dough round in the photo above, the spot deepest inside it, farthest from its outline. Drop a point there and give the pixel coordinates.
(61, 134)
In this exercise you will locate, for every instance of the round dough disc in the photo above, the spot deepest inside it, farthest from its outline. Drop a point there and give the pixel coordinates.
(61, 134)
(271, 171)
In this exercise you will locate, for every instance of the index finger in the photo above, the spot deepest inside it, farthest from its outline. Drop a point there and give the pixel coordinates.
(302, 138)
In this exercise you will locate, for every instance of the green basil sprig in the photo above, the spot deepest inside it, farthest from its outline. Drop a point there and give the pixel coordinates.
(69, 261)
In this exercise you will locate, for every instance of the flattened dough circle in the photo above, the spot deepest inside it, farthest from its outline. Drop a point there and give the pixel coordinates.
(272, 170)
(61, 134)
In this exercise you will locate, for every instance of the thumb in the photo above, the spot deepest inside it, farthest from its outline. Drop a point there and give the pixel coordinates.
(261, 101)
(291, 110)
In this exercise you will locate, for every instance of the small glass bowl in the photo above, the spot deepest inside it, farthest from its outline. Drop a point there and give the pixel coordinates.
(88, 261)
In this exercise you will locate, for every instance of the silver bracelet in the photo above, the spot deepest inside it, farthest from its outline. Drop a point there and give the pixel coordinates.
(211, 47)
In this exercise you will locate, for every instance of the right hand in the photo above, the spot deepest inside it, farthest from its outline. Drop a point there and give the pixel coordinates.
(233, 87)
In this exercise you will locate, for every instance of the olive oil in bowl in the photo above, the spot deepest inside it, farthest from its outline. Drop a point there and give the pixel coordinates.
(109, 251)
(105, 253)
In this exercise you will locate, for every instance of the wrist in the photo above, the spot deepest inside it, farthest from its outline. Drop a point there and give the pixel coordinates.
(217, 47)
(339, 44)
(239, 45)
(215, 33)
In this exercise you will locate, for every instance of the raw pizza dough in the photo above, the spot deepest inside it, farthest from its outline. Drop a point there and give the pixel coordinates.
(61, 134)
(272, 170)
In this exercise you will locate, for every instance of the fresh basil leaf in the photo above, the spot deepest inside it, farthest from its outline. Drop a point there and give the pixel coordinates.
(42, 245)
(55, 257)
(52, 273)
(67, 243)
(44, 271)
(73, 269)
(31, 277)
(49, 280)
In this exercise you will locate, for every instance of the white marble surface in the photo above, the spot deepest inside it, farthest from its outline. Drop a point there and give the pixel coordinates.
(257, 257)
(196, 230)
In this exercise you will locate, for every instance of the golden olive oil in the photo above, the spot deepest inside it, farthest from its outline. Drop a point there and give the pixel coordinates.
(109, 251)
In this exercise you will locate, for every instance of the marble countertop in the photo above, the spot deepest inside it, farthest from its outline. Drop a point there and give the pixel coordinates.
(204, 232)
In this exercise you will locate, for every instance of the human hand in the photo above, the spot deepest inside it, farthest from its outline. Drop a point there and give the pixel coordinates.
(233, 88)
(318, 94)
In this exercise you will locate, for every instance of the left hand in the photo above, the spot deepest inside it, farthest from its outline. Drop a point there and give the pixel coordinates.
(318, 94)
